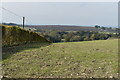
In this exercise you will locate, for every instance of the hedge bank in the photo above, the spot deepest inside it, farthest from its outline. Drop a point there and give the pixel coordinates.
(14, 35)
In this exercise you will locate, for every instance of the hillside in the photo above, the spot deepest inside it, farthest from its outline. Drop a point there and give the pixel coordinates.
(64, 27)
(70, 28)
(86, 59)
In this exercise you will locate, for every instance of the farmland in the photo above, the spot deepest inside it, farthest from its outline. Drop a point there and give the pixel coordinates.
(98, 59)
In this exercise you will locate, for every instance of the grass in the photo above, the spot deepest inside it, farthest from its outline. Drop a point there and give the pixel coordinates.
(98, 59)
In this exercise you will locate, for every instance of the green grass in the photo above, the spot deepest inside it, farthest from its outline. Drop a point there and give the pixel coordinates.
(98, 59)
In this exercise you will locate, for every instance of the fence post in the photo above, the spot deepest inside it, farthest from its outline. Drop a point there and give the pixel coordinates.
(23, 22)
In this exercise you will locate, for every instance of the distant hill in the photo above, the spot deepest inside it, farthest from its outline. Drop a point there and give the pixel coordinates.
(10, 24)
(71, 28)
(64, 27)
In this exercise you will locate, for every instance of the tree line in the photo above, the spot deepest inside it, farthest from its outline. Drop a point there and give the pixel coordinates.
(74, 36)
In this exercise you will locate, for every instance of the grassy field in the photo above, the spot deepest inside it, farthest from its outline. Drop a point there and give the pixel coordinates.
(98, 59)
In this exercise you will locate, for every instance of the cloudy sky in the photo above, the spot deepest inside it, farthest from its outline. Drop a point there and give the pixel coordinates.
(67, 13)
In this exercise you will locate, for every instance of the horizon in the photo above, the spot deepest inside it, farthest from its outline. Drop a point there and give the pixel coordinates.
(62, 25)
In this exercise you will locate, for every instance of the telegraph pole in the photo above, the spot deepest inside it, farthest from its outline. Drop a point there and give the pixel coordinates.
(23, 22)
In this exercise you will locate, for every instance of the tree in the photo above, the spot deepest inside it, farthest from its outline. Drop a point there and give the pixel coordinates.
(103, 28)
(68, 37)
(55, 36)
(97, 36)
(96, 26)
(75, 38)
(86, 38)
(92, 37)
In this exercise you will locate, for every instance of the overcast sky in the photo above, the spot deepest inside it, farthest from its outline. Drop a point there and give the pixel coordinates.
(71, 13)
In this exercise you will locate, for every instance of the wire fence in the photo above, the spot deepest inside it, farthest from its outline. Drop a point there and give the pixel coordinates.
(11, 12)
